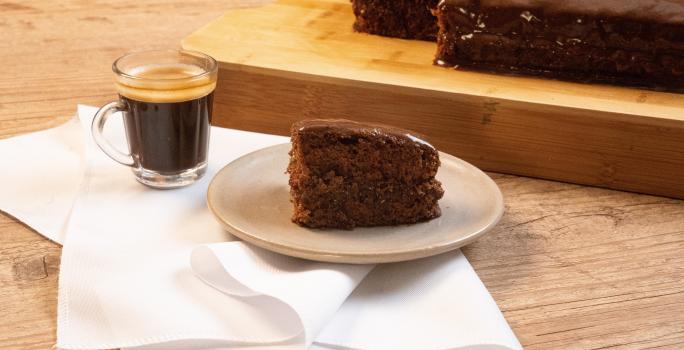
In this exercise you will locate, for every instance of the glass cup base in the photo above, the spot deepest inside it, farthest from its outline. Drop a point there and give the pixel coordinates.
(168, 181)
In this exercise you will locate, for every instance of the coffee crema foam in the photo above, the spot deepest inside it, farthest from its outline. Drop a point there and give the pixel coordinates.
(165, 83)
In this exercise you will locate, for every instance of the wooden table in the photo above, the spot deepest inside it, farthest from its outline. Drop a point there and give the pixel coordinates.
(571, 267)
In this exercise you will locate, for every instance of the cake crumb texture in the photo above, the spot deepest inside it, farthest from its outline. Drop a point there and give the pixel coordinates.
(345, 174)
(406, 19)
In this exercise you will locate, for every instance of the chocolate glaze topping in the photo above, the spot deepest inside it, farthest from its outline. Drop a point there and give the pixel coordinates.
(352, 128)
(667, 11)
(636, 43)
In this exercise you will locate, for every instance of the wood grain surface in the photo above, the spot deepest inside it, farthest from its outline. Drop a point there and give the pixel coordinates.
(571, 267)
(298, 59)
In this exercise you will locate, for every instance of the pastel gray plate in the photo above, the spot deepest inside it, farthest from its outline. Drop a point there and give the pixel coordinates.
(250, 197)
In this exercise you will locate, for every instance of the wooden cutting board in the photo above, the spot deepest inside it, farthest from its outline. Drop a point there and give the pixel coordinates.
(298, 59)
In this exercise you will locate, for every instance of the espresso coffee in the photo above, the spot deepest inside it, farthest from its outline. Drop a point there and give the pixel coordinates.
(168, 137)
(167, 117)
(166, 99)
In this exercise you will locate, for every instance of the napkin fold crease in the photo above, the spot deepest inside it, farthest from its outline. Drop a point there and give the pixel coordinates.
(257, 273)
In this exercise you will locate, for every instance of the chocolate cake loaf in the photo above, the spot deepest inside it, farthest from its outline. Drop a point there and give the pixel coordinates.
(406, 19)
(638, 43)
(635, 43)
(345, 174)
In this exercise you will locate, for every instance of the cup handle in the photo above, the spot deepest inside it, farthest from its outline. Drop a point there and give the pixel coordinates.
(98, 126)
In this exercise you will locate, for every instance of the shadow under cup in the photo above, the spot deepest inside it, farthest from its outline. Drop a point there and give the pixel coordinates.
(166, 99)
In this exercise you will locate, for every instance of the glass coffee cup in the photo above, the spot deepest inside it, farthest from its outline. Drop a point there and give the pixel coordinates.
(166, 99)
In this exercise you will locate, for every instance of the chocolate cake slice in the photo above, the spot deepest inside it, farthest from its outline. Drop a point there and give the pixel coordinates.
(345, 174)
(406, 19)
(637, 43)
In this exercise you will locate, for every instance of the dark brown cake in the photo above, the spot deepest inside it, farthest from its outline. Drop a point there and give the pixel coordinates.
(406, 19)
(635, 43)
(345, 174)
(638, 43)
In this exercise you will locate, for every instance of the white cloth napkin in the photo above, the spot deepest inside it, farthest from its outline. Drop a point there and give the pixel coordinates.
(133, 255)
(40, 175)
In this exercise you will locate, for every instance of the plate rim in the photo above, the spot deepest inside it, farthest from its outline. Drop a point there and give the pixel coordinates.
(354, 258)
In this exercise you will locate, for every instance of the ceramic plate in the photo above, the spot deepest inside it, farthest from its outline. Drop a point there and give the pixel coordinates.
(250, 197)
